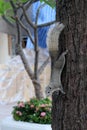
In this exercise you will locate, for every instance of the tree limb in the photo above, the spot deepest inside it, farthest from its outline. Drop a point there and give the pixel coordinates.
(24, 60)
(18, 27)
(38, 11)
(36, 53)
(25, 28)
(27, 19)
(36, 45)
(42, 67)
(46, 24)
(29, 3)
(26, 5)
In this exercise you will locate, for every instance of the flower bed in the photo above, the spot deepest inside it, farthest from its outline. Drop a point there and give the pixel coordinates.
(32, 115)
(37, 111)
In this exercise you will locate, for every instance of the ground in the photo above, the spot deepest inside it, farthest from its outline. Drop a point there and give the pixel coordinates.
(5, 110)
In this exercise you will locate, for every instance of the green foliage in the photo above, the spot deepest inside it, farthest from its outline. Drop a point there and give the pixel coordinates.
(51, 3)
(37, 111)
(4, 6)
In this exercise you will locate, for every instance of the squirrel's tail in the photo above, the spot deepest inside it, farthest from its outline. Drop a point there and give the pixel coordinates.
(53, 37)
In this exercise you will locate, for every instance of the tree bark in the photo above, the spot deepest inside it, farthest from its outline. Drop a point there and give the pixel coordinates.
(69, 111)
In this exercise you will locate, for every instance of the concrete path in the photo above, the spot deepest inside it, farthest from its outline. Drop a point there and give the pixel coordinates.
(5, 110)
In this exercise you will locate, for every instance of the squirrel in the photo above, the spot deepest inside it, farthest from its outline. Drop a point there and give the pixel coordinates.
(55, 83)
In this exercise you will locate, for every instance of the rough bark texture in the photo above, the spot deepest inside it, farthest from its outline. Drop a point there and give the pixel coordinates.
(69, 111)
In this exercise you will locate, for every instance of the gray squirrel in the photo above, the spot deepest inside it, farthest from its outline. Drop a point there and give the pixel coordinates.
(55, 82)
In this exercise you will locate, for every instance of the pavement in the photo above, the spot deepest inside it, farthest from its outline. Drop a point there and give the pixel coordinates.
(5, 110)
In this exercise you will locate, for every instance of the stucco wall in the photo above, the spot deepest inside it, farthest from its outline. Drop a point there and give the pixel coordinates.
(4, 56)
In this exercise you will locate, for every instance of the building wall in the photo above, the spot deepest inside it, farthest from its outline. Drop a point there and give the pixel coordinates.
(4, 51)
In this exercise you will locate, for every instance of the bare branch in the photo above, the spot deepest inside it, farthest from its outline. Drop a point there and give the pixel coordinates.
(36, 45)
(25, 28)
(26, 16)
(41, 69)
(46, 24)
(36, 53)
(19, 48)
(29, 3)
(18, 27)
(13, 6)
(38, 11)
(26, 65)
(26, 6)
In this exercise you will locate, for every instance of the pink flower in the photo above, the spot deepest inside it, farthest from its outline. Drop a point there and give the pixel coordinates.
(32, 106)
(43, 114)
(43, 105)
(21, 104)
(19, 113)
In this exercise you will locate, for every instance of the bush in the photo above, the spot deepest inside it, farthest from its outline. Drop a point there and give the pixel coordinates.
(37, 111)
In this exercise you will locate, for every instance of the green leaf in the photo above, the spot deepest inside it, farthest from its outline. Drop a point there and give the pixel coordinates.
(51, 3)
(4, 6)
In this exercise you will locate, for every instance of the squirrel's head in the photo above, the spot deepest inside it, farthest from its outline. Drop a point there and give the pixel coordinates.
(48, 90)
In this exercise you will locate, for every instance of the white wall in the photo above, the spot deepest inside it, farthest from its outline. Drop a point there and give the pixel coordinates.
(4, 56)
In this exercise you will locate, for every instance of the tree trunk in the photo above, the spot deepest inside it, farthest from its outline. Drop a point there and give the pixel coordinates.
(36, 83)
(69, 111)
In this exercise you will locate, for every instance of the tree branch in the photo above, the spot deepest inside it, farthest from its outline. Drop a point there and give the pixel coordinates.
(25, 28)
(24, 60)
(38, 11)
(36, 45)
(25, 14)
(18, 28)
(46, 24)
(41, 69)
(36, 53)
(29, 3)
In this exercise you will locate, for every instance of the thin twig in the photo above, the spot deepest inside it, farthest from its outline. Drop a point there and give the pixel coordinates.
(36, 53)
(19, 48)
(18, 27)
(26, 16)
(29, 3)
(24, 60)
(38, 11)
(42, 67)
(26, 6)
(46, 24)
(36, 46)
(26, 29)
